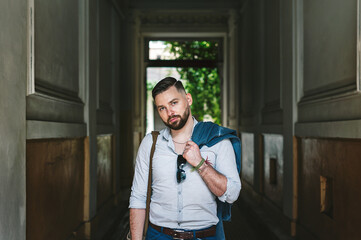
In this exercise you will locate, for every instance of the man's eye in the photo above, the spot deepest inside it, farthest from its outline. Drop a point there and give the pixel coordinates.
(161, 109)
(174, 103)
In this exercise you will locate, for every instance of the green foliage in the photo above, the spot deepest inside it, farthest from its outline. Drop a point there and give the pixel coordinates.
(203, 83)
(150, 86)
(193, 50)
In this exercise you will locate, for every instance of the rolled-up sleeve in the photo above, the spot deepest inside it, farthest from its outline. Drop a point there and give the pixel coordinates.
(140, 181)
(226, 165)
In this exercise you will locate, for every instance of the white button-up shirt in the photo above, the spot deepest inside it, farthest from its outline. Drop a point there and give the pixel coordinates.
(187, 205)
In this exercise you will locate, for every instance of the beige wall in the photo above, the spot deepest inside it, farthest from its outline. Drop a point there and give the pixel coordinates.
(290, 70)
(12, 118)
(79, 52)
(304, 82)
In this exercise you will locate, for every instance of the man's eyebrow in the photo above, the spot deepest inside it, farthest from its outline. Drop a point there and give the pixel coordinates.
(174, 99)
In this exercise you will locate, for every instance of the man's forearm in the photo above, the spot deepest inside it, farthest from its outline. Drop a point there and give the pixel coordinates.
(216, 182)
(136, 219)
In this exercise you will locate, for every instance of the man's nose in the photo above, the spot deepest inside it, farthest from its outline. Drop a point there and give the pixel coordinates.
(170, 112)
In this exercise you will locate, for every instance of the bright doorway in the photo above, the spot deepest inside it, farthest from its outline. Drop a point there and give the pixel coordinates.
(196, 62)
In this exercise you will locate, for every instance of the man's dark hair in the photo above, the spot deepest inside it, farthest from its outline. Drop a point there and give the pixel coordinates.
(165, 84)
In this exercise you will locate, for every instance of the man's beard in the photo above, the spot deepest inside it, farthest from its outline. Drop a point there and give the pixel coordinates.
(176, 125)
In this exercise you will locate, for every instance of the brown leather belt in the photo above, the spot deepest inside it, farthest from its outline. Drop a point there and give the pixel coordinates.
(180, 234)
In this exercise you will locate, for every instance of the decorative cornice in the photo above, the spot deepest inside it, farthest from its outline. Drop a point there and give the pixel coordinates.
(44, 129)
(329, 92)
(189, 18)
(62, 94)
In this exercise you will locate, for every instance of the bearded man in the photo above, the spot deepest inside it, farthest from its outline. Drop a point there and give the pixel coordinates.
(195, 169)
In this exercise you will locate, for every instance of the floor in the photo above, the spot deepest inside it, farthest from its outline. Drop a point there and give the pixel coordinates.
(240, 228)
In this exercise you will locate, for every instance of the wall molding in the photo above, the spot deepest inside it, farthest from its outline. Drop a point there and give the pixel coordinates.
(35, 84)
(105, 129)
(341, 88)
(184, 18)
(262, 129)
(358, 61)
(57, 93)
(185, 4)
(336, 101)
(336, 129)
(329, 91)
(31, 49)
(105, 114)
(43, 107)
(43, 129)
(47, 101)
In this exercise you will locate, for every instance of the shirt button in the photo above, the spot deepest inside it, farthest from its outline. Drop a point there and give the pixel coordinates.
(179, 193)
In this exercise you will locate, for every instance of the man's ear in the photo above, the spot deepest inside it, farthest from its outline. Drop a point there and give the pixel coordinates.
(189, 99)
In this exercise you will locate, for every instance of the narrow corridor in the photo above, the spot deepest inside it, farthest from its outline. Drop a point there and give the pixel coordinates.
(73, 111)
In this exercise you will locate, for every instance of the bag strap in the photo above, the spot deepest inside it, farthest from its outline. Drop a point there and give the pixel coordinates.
(149, 189)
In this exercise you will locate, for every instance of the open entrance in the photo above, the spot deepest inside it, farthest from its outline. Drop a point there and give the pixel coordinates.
(197, 63)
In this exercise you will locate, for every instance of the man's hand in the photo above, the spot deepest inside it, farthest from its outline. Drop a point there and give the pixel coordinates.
(216, 182)
(192, 154)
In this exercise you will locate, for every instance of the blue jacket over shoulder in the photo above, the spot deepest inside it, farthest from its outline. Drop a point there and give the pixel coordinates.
(208, 133)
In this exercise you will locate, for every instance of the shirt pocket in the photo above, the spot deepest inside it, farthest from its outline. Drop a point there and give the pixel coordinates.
(164, 168)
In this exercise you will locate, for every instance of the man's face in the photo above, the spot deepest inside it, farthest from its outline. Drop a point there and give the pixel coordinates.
(173, 107)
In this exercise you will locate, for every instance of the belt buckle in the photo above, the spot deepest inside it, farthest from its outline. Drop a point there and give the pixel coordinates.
(176, 236)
